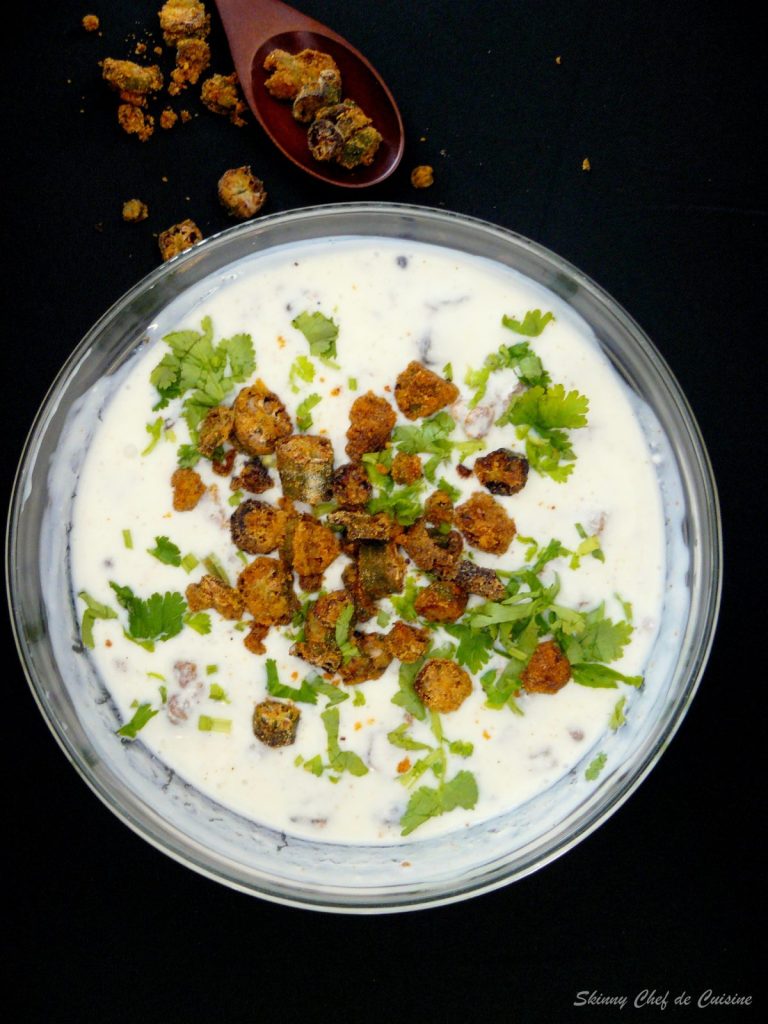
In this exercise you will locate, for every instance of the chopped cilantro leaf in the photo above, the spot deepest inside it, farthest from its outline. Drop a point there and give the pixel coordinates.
(542, 417)
(165, 551)
(595, 766)
(217, 692)
(399, 738)
(94, 610)
(187, 456)
(340, 760)
(532, 324)
(159, 617)
(305, 694)
(475, 645)
(618, 717)
(406, 697)
(347, 648)
(601, 677)
(601, 639)
(426, 803)
(302, 368)
(199, 621)
(155, 430)
(359, 699)
(453, 492)
(321, 332)
(142, 715)
(401, 503)
(303, 415)
(335, 694)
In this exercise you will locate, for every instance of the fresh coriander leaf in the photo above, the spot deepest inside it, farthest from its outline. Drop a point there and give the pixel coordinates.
(187, 456)
(359, 699)
(425, 803)
(165, 551)
(460, 791)
(402, 503)
(305, 694)
(453, 492)
(315, 765)
(547, 409)
(199, 621)
(406, 697)
(94, 610)
(399, 738)
(532, 324)
(601, 639)
(303, 414)
(595, 766)
(155, 430)
(239, 351)
(159, 617)
(320, 331)
(403, 603)
(340, 760)
(618, 717)
(302, 368)
(601, 677)
(211, 670)
(462, 748)
(475, 645)
(142, 715)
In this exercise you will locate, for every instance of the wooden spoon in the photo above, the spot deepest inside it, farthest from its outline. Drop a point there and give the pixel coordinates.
(256, 27)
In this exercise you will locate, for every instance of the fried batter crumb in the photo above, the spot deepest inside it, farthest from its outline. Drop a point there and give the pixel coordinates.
(91, 23)
(134, 210)
(178, 237)
(183, 19)
(585, 164)
(168, 118)
(134, 121)
(422, 176)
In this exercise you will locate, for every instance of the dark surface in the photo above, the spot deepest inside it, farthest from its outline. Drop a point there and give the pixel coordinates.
(667, 102)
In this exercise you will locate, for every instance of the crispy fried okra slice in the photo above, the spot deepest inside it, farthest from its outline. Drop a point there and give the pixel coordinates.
(408, 643)
(324, 140)
(431, 550)
(365, 605)
(260, 419)
(441, 601)
(325, 91)
(275, 722)
(406, 469)
(476, 579)
(485, 524)
(438, 509)
(253, 477)
(305, 465)
(420, 392)
(257, 527)
(442, 685)
(347, 122)
(266, 587)
(188, 489)
(319, 645)
(502, 471)
(360, 525)
(241, 193)
(381, 568)
(211, 592)
(216, 429)
(134, 121)
(548, 669)
(183, 19)
(371, 661)
(128, 77)
(371, 420)
(313, 547)
(350, 485)
(178, 238)
(292, 72)
(221, 95)
(193, 57)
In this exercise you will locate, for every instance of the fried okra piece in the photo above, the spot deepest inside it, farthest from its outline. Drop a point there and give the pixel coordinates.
(362, 526)
(476, 579)
(438, 509)
(355, 139)
(193, 56)
(325, 91)
(260, 419)
(134, 210)
(275, 722)
(90, 22)
(188, 489)
(485, 524)
(431, 550)
(305, 465)
(548, 669)
(371, 420)
(350, 485)
(502, 471)
(253, 477)
(442, 685)
(314, 548)
(257, 527)
(381, 568)
(371, 662)
(319, 645)
(241, 193)
(252, 641)
(441, 601)
(183, 19)
(408, 643)
(178, 238)
(211, 592)
(292, 72)
(216, 429)
(406, 469)
(223, 466)
(420, 392)
(220, 94)
(365, 606)
(134, 121)
(422, 176)
(267, 592)
(126, 76)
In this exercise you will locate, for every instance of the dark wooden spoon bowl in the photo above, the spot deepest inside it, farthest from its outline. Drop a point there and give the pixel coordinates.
(256, 27)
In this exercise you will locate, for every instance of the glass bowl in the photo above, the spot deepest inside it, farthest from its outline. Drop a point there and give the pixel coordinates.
(192, 828)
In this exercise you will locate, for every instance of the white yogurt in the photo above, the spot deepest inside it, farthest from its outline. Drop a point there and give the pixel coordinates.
(439, 308)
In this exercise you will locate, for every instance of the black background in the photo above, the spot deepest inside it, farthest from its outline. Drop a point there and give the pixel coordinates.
(666, 99)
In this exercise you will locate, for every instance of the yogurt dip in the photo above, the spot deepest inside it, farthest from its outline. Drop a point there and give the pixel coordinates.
(393, 303)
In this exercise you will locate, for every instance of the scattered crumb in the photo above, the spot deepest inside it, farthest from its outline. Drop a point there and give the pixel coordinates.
(157, 50)
(585, 164)
(134, 210)
(140, 49)
(558, 60)
(486, 734)
(91, 23)
(168, 118)
(185, 116)
(423, 138)
(177, 238)
(422, 176)
(134, 121)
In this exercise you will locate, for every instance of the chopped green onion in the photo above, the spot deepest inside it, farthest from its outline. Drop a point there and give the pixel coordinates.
(127, 539)
(206, 723)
